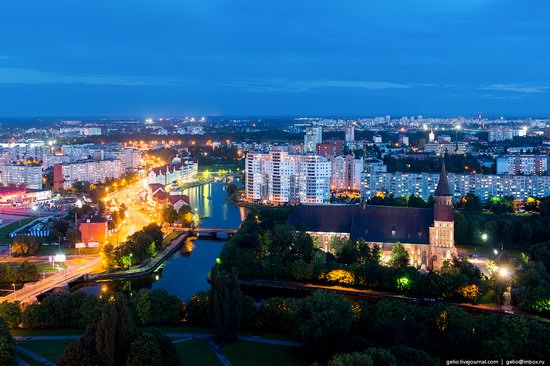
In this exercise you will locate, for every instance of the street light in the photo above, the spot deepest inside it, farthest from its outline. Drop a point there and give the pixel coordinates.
(495, 251)
(13, 284)
(504, 272)
(484, 236)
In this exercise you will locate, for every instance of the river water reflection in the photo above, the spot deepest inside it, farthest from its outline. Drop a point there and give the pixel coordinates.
(186, 271)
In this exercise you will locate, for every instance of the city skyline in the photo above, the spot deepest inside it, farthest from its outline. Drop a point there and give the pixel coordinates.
(283, 59)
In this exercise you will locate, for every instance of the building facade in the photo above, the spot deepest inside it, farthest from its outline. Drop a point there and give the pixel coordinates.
(522, 164)
(482, 185)
(278, 177)
(312, 137)
(22, 175)
(91, 171)
(426, 234)
(346, 173)
(179, 171)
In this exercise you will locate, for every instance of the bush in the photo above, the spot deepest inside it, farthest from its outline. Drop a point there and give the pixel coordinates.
(24, 245)
(7, 345)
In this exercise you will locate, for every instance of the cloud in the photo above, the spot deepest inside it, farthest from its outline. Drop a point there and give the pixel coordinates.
(517, 88)
(29, 76)
(282, 85)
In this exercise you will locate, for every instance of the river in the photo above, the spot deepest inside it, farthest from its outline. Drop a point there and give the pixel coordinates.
(186, 271)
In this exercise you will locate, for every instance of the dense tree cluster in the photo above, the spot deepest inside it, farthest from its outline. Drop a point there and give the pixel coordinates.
(113, 340)
(7, 345)
(25, 272)
(24, 245)
(140, 246)
(383, 199)
(170, 215)
(265, 247)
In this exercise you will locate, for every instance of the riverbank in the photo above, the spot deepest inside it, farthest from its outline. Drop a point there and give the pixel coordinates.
(145, 268)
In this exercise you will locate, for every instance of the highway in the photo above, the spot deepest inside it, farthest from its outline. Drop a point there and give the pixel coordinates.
(137, 217)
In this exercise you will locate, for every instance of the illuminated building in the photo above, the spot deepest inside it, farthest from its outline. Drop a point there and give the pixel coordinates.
(278, 177)
(91, 171)
(22, 175)
(427, 234)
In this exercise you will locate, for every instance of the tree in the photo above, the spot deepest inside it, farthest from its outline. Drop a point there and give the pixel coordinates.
(114, 332)
(27, 272)
(471, 203)
(399, 257)
(381, 357)
(145, 350)
(351, 359)
(225, 305)
(81, 352)
(24, 245)
(461, 228)
(7, 345)
(322, 320)
(10, 313)
(412, 357)
(169, 214)
(197, 307)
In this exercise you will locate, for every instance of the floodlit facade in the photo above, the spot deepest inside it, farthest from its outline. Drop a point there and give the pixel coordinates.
(179, 171)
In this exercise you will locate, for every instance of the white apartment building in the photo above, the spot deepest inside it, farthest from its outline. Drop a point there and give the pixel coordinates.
(522, 164)
(314, 179)
(346, 173)
(279, 177)
(28, 176)
(92, 171)
(312, 137)
(482, 185)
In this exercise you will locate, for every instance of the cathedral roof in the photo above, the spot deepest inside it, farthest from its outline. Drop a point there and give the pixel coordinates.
(381, 224)
(443, 185)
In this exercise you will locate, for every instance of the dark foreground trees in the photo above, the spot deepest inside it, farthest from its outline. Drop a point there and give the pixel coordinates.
(7, 345)
(114, 341)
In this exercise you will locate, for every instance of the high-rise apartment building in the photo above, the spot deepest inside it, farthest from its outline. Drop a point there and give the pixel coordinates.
(346, 173)
(312, 137)
(92, 171)
(350, 134)
(278, 177)
(21, 175)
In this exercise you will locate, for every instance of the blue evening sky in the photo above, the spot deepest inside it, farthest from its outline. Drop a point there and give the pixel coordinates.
(284, 57)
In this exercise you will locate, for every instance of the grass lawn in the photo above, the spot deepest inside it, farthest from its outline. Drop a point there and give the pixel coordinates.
(51, 350)
(171, 237)
(45, 332)
(11, 227)
(196, 352)
(488, 298)
(27, 359)
(252, 353)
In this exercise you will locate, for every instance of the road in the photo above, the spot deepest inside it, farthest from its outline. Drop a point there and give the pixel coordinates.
(136, 218)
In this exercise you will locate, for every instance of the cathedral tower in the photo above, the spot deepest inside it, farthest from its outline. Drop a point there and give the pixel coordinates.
(442, 243)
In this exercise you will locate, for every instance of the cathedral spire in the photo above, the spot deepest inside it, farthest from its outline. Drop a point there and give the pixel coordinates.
(443, 185)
